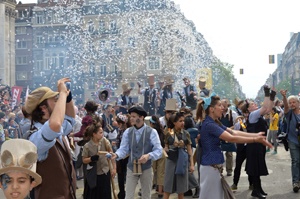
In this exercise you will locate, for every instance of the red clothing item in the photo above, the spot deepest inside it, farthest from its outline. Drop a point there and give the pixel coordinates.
(86, 121)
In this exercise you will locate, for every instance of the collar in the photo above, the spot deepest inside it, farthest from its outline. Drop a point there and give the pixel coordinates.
(141, 128)
(227, 113)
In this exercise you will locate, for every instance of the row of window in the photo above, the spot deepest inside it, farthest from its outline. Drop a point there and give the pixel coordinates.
(54, 61)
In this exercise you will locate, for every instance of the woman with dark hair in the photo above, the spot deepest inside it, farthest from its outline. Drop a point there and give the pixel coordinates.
(256, 164)
(209, 110)
(123, 122)
(176, 139)
(159, 165)
(90, 156)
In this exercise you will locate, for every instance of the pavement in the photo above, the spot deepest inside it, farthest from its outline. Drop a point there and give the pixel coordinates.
(277, 184)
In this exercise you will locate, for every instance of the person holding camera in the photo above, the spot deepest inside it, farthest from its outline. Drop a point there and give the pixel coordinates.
(273, 129)
(52, 119)
(292, 114)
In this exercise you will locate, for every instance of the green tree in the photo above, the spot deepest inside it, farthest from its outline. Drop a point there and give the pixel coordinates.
(224, 82)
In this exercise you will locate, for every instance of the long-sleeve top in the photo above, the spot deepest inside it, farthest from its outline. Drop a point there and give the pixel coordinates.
(44, 138)
(125, 142)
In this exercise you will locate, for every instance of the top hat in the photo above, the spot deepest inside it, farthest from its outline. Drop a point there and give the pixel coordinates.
(171, 105)
(125, 87)
(202, 82)
(19, 155)
(150, 79)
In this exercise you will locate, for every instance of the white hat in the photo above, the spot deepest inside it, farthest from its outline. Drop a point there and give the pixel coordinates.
(19, 155)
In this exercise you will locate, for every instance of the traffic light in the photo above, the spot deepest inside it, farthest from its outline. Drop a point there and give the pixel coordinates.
(271, 59)
(241, 71)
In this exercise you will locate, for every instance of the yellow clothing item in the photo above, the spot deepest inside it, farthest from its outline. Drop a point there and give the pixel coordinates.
(274, 123)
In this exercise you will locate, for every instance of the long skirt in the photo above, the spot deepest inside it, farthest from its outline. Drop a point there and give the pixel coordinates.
(210, 183)
(175, 183)
(102, 190)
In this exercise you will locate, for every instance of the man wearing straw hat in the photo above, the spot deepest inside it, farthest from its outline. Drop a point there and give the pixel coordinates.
(18, 168)
(125, 101)
(52, 119)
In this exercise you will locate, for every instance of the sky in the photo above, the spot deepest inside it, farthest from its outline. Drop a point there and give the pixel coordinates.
(244, 33)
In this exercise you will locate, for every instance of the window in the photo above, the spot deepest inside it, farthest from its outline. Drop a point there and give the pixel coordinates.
(154, 44)
(131, 64)
(91, 84)
(20, 30)
(39, 19)
(103, 69)
(21, 44)
(22, 13)
(101, 26)
(22, 75)
(113, 44)
(113, 25)
(91, 27)
(39, 39)
(61, 59)
(92, 69)
(153, 63)
(38, 65)
(131, 42)
(21, 60)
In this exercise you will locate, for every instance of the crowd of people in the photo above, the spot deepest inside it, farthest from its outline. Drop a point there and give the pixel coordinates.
(157, 145)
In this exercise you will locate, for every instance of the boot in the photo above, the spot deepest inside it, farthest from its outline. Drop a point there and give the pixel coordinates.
(196, 194)
(261, 190)
(255, 193)
(188, 193)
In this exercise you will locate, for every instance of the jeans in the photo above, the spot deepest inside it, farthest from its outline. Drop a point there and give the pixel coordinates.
(295, 156)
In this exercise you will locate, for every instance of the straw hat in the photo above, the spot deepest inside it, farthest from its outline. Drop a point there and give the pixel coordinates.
(125, 87)
(168, 80)
(19, 155)
(38, 96)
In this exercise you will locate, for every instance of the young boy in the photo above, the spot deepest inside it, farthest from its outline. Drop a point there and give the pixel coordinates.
(18, 168)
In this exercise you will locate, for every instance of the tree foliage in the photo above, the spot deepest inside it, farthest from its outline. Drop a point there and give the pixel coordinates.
(224, 83)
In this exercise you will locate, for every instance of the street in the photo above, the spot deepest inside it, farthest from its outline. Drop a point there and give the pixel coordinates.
(278, 184)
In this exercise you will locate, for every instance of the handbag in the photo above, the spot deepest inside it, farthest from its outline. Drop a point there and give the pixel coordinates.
(91, 174)
(182, 162)
(228, 194)
(228, 147)
(173, 154)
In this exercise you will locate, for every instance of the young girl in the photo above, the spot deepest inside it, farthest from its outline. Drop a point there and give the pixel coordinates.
(18, 169)
(90, 156)
(123, 123)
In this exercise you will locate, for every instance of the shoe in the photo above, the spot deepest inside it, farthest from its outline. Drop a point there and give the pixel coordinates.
(274, 153)
(268, 150)
(188, 193)
(251, 187)
(79, 177)
(196, 194)
(140, 193)
(296, 187)
(160, 196)
(233, 187)
(229, 174)
(257, 194)
(154, 186)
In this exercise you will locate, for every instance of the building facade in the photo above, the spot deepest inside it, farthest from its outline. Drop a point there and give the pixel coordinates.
(102, 44)
(7, 41)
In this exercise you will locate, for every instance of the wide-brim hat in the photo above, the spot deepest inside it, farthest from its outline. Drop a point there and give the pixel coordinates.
(38, 96)
(125, 87)
(171, 105)
(168, 80)
(138, 110)
(19, 155)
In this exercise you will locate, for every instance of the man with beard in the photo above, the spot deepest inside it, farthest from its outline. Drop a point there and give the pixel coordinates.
(143, 145)
(52, 118)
